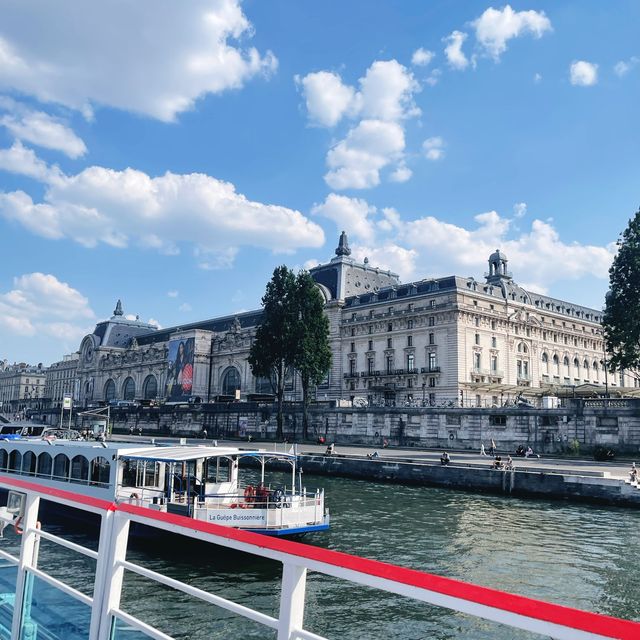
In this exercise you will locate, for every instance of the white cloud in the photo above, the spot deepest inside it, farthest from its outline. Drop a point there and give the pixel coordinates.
(327, 98)
(185, 307)
(45, 131)
(433, 148)
(154, 322)
(356, 161)
(537, 78)
(433, 78)
(41, 304)
(583, 74)
(167, 55)
(216, 259)
(453, 51)
(350, 214)
(173, 293)
(100, 205)
(21, 160)
(495, 27)
(401, 174)
(422, 57)
(623, 67)
(520, 209)
(389, 256)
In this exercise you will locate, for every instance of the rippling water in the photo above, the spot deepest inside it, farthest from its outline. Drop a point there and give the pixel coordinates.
(578, 555)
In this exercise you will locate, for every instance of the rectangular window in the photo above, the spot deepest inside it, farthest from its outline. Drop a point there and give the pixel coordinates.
(432, 382)
(410, 383)
(433, 363)
(390, 326)
(432, 399)
(370, 329)
(390, 309)
(493, 325)
(352, 366)
(477, 321)
(353, 331)
(409, 341)
(410, 361)
(410, 307)
(494, 343)
(389, 343)
(370, 345)
(409, 324)
(371, 364)
(432, 303)
(389, 364)
(432, 338)
(494, 363)
(477, 338)
(477, 361)
(353, 347)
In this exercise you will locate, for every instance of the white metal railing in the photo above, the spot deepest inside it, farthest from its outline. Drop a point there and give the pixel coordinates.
(297, 559)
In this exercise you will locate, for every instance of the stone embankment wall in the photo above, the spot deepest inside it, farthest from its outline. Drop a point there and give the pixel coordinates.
(592, 423)
(592, 487)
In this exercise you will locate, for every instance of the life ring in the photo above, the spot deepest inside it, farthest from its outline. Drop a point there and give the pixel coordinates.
(18, 529)
(452, 436)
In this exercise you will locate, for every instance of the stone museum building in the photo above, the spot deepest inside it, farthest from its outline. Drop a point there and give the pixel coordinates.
(437, 341)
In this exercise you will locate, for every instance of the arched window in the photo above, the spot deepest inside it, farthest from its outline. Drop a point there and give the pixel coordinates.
(45, 465)
(79, 469)
(565, 365)
(585, 364)
(15, 461)
(150, 388)
(100, 469)
(230, 381)
(556, 366)
(110, 390)
(61, 467)
(4, 457)
(524, 348)
(545, 364)
(29, 463)
(263, 385)
(129, 389)
(576, 366)
(519, 347)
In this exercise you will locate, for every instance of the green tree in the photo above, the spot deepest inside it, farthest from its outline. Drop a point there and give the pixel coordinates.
(312, 357)
(621, 320)
(273, 349)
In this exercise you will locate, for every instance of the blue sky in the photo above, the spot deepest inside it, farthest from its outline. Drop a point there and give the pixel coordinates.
(172, 154)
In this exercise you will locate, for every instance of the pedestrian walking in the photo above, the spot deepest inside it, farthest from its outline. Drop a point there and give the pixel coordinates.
(482, 451)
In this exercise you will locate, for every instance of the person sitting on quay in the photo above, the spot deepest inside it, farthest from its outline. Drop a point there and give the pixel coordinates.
(633, 473)
(373, 456)
(497, 463)
(330, 449)
(520, 451)
(529, 453)
(444, 458)
(508, 466)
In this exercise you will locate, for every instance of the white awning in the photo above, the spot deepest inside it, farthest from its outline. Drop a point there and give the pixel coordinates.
(185, 454)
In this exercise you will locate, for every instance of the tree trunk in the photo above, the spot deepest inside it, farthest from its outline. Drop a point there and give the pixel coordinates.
(280, 382)
(305, 408)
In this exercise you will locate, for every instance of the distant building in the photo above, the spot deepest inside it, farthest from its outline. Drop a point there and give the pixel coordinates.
(21, 387)
(61, 379)
(432, 341)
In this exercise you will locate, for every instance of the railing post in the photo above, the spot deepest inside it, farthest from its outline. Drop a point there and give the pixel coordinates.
(111, 572)
(28, 559)
(294, 583)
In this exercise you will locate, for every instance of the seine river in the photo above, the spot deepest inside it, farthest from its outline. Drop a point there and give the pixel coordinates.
(577, 555)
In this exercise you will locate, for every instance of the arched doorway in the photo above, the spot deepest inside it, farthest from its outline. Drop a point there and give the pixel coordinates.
(230, 381)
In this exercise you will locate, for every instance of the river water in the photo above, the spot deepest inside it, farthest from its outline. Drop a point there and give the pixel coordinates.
(578, 555)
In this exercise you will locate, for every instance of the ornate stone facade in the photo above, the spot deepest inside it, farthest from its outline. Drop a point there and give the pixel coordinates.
(437, 341)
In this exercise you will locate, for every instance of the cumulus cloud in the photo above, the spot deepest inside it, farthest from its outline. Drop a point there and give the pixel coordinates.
(382, 102)
(43, 130)
(173, 293)
(495, 27)
(356, 161)
(433, 148)
(453, 51)
(21, 160)
(327, 97)
(519, 209)
(167, 55)
(583, 74)
(117, 208)
(422, 57)
(352, 215)
(39, 303)
(623, 67)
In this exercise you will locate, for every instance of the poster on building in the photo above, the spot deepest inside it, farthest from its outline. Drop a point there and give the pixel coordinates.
(179, 385)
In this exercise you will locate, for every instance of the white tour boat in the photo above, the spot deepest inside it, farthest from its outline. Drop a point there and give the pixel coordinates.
(201, 482)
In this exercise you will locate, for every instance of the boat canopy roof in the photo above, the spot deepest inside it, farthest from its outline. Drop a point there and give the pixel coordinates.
(185, 454)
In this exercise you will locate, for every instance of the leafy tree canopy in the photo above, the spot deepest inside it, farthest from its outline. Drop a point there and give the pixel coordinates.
(621, 319)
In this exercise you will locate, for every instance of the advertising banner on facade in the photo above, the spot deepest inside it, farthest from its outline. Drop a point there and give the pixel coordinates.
(179, 385)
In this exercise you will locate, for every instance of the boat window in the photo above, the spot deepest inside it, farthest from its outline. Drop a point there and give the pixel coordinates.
(61, 467)
(100, 469)
(15, 461)
(29, 463)
(4, 457)
(129, 473)
(218, 470)
(45, 464)
(79, 469)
